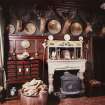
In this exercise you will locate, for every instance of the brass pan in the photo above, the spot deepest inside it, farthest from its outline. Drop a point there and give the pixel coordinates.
(30, 28)
(76, 28)
(54, 26)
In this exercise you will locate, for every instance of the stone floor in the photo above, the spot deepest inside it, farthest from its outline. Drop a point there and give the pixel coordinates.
(99, 100)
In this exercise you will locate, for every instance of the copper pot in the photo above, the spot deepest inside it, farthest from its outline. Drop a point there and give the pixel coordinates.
(41, 99)
(42, 24)
(76, 28)
(54, 26)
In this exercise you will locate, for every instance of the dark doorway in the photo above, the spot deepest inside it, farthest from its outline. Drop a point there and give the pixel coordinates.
(99, 58)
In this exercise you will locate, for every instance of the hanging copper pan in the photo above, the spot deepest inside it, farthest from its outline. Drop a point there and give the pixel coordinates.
(42, 24)
(30, 28)
(54, 26)
(76, 28)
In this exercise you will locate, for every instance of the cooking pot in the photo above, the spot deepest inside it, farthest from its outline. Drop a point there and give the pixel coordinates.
(54, 26)
(76, 28)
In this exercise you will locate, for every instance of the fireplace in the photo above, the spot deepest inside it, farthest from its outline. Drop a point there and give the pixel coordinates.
(65, 56)
(64, 66)
(70, 84)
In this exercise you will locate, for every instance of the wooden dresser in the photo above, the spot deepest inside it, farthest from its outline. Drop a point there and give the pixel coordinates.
(19, 71)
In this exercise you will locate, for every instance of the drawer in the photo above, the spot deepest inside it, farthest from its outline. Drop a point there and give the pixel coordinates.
(11, 74)
(34, 69)
(11, 70)
(22, 70)
(11, 77)
(34, 61)
(11, 66)
(34, 65)
(11, 62)
(34, 73)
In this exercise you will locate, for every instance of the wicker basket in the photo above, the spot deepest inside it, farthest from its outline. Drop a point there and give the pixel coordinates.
(41, 99)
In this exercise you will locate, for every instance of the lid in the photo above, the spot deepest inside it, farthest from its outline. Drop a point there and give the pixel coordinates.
(54, 26)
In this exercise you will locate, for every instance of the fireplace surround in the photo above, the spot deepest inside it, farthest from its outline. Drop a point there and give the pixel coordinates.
(65, 65)
(57, 63)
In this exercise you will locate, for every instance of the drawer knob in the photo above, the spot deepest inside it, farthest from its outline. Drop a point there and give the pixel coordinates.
(27, 69)
(20, 70)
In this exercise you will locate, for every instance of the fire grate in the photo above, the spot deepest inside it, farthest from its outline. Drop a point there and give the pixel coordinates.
(70, 84)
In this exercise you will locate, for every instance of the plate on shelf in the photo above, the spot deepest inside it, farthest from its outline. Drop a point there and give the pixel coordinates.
(25, 44)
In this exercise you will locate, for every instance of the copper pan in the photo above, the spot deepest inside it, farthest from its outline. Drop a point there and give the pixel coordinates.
(42, 24)
(66, 26)
(76, 28)
(30, 28)
(54, 26)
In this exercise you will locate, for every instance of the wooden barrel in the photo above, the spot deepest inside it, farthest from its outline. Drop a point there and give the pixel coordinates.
(41, 99)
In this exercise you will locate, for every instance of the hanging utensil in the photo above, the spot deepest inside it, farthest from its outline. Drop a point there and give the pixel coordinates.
(42, 24)
(18, 25)
(66, 26)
